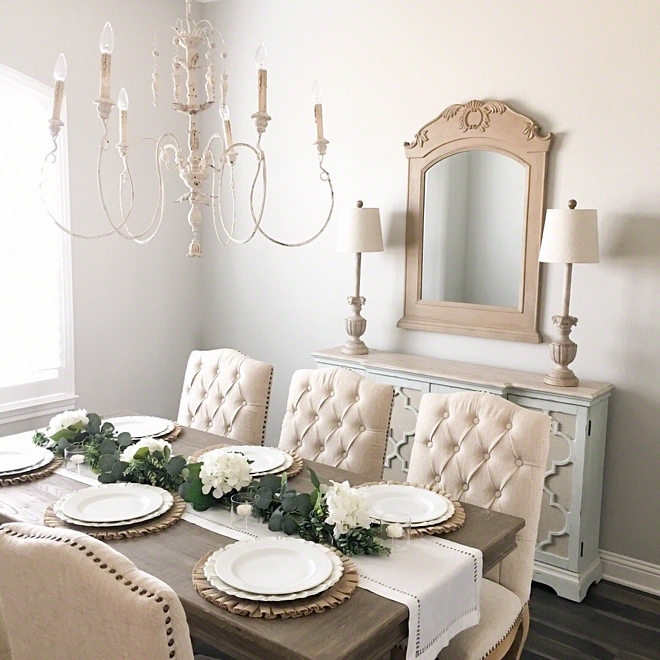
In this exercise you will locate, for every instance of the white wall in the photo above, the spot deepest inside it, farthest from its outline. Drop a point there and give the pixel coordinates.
(136, 308)
(588, 72)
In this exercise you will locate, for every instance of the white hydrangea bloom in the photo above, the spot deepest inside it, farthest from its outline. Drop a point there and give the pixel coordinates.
(347, 508)
(153, 444)
(224, 471)
(66, 419)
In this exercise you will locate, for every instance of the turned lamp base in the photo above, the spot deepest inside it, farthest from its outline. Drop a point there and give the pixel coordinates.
(356, 324)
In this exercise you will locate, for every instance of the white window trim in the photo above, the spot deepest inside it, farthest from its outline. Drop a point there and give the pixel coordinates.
(43, 400)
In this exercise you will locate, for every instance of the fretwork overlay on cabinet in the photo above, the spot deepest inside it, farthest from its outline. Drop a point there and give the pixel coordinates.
(567, 555)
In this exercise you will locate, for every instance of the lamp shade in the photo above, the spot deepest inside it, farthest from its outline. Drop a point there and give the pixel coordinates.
(360, 231)
(570, 236)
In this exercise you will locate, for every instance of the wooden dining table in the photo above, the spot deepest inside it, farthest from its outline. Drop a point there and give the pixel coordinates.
(365, 627)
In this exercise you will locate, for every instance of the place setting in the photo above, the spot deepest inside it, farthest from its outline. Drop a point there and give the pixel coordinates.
(262, 460)
(275, 577)
(403, 510)
(22, 461)
(141, 426)
(117, 510)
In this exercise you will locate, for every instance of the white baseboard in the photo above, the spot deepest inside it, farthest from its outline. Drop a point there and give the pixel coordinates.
(634, 573)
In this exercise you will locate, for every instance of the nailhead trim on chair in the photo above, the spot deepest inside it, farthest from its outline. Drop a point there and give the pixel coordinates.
(516, 623)
(111, 571)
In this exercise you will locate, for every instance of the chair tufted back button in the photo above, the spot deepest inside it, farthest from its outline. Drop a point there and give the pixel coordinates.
(357, 398)
(486, 456)
(446, 415)
(321, 448)
(508, 427)
(245, 403)
(338, 425)
(299, 443)
(344, 455)
(316, 418)
(465, 486)
(519, 462)
(437, 478)
(309, 388)
(238, 376)
(222, 399)
(362, 428)
(456, 449)
(475, 420)
(332, 393)
(430, 443)
(498, 493)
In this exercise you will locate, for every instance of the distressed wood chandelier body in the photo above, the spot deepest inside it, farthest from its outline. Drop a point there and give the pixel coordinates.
(192, 65)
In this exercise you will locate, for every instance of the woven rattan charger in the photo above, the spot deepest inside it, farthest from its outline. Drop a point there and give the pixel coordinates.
(32, 475)
(165, 520)
(450, 525)
(290, 609)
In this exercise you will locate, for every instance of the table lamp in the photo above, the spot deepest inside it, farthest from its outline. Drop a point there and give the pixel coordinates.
(570, 237)
(359, 232)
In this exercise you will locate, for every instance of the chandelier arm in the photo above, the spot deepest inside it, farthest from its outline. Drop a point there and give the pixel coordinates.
(230, 234)
(324, 176)
(51, 158)
(122, 228)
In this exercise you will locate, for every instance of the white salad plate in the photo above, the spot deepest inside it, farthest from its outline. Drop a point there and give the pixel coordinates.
(211, 575)
(264, 459)
(48, 457)
(112, 503)
(21, 458)
(141, 427)
(288, 462)
(168, 501)
(274, 566)
(423, 506)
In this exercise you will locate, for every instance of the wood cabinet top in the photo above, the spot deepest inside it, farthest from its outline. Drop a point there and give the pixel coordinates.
(463, 372)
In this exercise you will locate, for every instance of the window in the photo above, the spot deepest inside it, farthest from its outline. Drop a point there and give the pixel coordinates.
(36, 333)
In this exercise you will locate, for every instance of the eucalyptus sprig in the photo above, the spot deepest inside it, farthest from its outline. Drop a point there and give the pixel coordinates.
(155, 468)
(96, 437)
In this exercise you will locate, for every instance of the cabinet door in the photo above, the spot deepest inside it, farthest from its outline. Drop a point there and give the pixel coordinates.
(407, 396)
(558, 539)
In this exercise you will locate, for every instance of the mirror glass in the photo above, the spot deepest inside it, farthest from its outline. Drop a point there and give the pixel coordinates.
(474, 215)
(476, 191)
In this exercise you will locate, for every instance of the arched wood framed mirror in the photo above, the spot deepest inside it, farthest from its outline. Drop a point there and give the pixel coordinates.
(476, 194)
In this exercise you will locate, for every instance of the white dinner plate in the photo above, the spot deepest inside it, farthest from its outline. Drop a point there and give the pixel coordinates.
(264, 459)
(19, 458)
(212, 577)
(141, 427)
(113, 502)
(168, 501)
(288, 462)
(47, 458)
(420, 504)
(273, 566)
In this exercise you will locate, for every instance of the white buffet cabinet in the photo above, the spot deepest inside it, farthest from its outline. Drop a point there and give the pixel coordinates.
(567, 555)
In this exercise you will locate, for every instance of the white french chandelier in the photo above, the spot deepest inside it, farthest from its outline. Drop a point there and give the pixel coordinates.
(194, 47)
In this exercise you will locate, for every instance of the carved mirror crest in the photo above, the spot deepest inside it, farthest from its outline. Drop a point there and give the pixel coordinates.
(476, 190)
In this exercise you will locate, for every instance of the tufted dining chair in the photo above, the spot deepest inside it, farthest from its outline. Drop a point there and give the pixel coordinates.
(484, 450)
(67, 596)
(337, 417)
(227, 393)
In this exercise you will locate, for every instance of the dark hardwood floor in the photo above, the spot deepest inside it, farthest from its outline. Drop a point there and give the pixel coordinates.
(612, 623)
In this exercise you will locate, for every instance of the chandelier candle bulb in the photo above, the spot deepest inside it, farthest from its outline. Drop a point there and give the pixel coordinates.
(122, 103)
(106, 44)
(262, 77)
(60, 76)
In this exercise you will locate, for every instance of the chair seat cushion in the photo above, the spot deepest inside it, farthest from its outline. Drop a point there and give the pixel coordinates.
(499, 611)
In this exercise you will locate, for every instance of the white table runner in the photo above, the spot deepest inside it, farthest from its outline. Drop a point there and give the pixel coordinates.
(438, 580)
